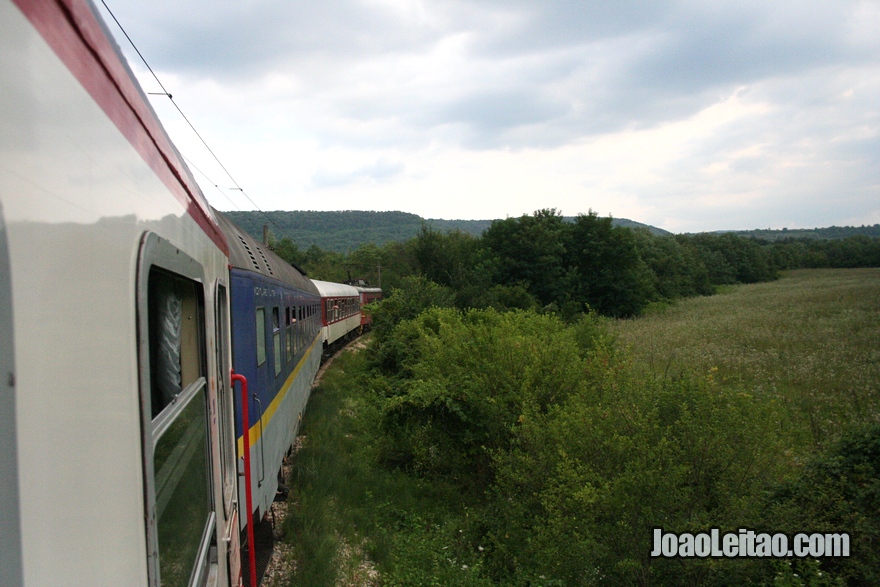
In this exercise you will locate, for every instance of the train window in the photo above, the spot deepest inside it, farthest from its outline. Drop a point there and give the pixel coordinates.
(261, 335)
(290, 325)
(175, 423)
(175, 317)
(180, 424)
(300, 326)
(276, 339)
(183, 500)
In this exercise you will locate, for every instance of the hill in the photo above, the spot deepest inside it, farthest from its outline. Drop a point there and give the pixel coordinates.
(347, 230)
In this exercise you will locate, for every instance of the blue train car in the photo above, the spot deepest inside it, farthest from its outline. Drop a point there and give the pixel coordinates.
(276, 346)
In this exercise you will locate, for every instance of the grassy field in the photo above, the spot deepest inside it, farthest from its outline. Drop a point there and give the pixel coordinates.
(810, 340)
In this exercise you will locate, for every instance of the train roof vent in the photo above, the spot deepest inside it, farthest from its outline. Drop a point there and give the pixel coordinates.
(250, 253)
(266, 261)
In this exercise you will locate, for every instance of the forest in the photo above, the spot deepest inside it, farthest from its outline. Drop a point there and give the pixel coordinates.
(569, 266)
(532, 403)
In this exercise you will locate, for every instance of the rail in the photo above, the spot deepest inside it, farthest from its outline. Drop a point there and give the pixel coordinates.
(249, 501)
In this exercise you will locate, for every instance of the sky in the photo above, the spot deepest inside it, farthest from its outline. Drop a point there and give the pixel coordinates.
(686, 115)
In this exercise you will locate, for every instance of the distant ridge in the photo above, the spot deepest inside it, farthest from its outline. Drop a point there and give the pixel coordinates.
(347, 230)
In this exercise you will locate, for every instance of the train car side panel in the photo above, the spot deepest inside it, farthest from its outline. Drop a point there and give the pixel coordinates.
(79, 190)
(280, 358)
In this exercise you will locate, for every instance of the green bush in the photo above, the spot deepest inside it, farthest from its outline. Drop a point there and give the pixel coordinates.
(577, 499)
(465, 381)
(838, 491)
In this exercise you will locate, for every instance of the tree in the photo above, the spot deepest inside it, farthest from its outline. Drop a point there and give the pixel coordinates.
(611, 276)
(530, 251)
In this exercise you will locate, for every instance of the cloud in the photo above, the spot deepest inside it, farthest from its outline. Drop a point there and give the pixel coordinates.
(689, 113)
(380, 171)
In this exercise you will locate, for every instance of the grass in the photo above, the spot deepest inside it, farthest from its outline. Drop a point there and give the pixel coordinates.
(810, 340)
(352, 517)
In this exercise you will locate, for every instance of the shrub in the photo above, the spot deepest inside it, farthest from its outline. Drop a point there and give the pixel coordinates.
(577, 499)
(465, 381)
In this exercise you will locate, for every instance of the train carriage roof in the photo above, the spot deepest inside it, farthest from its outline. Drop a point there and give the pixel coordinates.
(246, 253)
(330, 289)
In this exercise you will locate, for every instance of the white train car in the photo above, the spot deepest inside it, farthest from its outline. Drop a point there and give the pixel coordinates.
(340, 311)
(118, 465)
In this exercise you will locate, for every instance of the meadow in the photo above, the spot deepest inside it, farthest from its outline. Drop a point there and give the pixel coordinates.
(810, 341)
(484, 448)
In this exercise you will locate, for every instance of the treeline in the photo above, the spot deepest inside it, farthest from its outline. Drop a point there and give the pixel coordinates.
(346, 230)
(544, 261)
(809, 253)
(831, 232)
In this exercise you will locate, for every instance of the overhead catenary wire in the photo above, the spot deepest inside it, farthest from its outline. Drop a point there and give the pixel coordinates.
(165, 92)
(212, 182)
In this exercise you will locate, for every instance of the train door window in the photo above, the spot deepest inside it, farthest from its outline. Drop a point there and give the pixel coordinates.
(276, 339)
(177, 456)
(261, 335)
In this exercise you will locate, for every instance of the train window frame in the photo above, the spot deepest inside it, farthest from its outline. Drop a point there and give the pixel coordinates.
(226, 408)
(160, 260)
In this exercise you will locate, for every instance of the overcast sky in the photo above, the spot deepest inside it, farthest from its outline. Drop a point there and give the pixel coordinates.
(687, 115)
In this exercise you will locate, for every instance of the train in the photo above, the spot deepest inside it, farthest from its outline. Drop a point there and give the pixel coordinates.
(155, 360)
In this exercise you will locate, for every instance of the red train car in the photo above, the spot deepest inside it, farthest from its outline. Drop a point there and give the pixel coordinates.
(367, 295)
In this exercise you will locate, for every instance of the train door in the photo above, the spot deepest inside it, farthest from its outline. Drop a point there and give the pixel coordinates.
(228, 472)
(178, 492)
